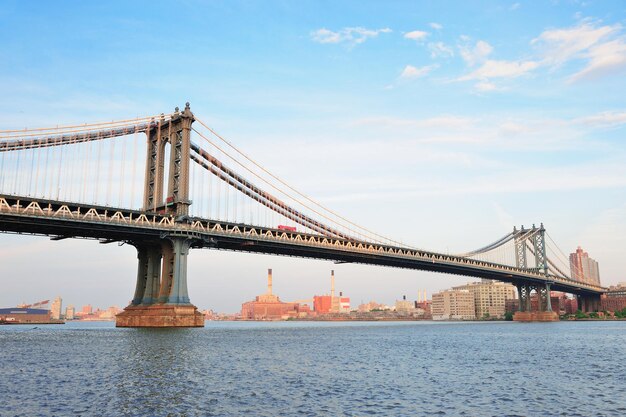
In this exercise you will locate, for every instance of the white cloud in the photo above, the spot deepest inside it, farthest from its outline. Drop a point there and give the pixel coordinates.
(436, 26)
(355, 35)
(500, 69)
(515, 6)
(445, 121)
(440, 50)
(477, 54)
(410, 72)
(416, 35)
(605, 119)
(485, 86)
(603, 59)
(562, 45)
(603, 48)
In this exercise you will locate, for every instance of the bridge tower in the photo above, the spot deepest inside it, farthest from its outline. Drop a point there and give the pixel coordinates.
(534, 241)
(161, 298)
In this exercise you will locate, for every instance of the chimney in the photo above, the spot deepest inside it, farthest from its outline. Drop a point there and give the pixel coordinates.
(340, 293)
(269, 281)
(332, 284)
(404, 298)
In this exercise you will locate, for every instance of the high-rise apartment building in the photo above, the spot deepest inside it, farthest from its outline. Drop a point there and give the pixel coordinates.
(583, 268)
(453, 305)
(55, 309)
(489, 297)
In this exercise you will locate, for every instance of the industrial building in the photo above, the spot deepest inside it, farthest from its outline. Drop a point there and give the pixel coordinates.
(17, 315)
(324, 304)
(269, 307)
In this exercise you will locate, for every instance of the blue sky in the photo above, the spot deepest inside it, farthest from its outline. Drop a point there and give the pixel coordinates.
(442, 124)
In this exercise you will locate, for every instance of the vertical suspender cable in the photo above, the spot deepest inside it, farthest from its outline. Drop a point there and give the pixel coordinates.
(133, 184)
(97, 184)
(46, 183)
(122, 173)
(58, 185)
(110, 179)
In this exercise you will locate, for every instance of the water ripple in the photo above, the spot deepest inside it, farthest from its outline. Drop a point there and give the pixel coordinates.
(316, 369)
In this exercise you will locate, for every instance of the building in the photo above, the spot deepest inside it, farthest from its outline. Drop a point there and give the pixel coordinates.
(269, 307)
(615, 298)
(405, 306)
(86, 310)
(70, 313)
(55, 309)
(371, 306)
(324, 304)
(583, 268)
(19, 315)
(490, 297)
(453, 305)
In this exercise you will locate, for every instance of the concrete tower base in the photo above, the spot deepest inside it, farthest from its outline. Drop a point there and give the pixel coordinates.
(526, 316)
(160, 315)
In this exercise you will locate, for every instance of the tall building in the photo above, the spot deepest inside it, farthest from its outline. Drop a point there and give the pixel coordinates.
(55, 309)
(453, 305)
(490, 297)
(583, 268)
(70, 313)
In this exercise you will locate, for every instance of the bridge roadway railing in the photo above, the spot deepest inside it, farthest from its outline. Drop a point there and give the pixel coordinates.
(27, 207)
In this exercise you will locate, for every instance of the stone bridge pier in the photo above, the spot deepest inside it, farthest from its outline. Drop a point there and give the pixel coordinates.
(543, 311)
(161, 298)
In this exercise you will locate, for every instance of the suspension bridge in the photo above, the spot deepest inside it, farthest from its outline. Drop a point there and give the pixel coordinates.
(169, 183)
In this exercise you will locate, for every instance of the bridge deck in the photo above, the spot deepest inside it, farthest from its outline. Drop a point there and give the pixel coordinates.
(60, 220)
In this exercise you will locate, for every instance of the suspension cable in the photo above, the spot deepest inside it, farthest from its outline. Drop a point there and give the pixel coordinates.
(289, 186)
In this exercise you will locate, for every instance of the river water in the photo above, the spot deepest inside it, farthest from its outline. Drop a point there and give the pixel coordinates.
(315, 369)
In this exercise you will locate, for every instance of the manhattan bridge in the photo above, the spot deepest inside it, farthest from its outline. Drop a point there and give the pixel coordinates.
(134, 181)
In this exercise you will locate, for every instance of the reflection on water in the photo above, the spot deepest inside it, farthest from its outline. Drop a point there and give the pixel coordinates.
(316, 369)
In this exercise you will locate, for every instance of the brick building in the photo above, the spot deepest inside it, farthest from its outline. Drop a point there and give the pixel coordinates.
(269, 307)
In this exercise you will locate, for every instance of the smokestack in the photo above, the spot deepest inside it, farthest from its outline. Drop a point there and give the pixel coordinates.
(424, 295)
(332, 284)
(404, 297)
(340, 293)
(269, 281)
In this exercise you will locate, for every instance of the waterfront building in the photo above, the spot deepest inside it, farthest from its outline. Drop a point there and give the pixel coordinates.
(324, 304)
(583, 268)
(404, 305)
(371, 306)
(615, 298)
(109, 313)
(453, 305)
(55, 309)
(18, 315)
(70, 312)
(86, 310)
(269, 307)
(489, 297)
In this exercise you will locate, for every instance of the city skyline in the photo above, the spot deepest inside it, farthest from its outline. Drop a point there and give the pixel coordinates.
(472, 128)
